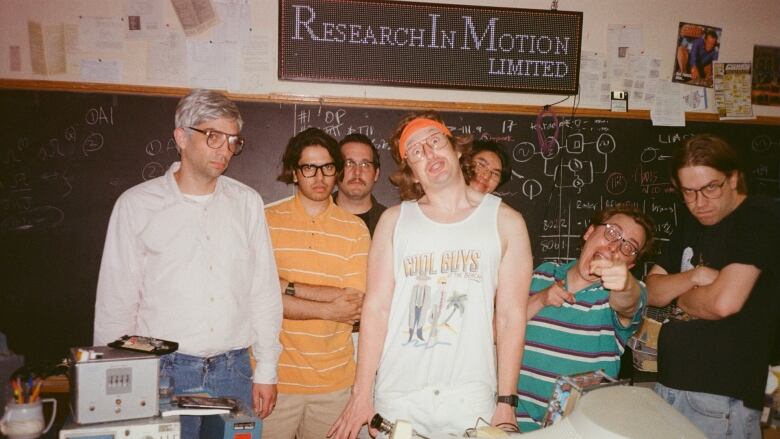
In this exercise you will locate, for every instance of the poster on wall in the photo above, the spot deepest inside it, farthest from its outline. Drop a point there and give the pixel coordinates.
(697, 48)
(766, 75)
(396, 43)
(732, 90)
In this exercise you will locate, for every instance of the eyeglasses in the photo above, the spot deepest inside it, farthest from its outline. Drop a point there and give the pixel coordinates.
(215, 139)
(415, 152)
(365, 165)
(308, 170)
(613, 233)
(481, 167)
(710, 191)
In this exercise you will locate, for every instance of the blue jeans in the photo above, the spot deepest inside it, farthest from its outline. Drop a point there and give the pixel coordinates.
(224, 375)
(716, 415)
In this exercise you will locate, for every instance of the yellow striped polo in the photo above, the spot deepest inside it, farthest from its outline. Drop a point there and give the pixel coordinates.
(330, 249)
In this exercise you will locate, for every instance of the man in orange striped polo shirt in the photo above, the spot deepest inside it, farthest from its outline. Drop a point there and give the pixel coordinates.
(321, 253)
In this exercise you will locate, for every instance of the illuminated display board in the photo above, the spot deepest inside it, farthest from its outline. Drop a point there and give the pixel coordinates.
(430, 45)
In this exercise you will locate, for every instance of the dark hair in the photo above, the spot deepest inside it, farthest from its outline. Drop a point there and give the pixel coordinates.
(707, 150)
(711, 33)
(639, 217)
(467, 160)
(361, 138)
(403, 177)
(299, 142)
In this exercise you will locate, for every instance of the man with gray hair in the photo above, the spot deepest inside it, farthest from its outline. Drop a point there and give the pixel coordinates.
(188, 258)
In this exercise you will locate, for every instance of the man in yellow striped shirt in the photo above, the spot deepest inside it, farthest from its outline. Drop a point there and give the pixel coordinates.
(321, 253)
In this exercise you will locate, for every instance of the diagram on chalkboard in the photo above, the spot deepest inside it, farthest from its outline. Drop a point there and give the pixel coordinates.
(569, 165)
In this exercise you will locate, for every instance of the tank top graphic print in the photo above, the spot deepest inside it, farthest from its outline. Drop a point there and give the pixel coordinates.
(440, 328)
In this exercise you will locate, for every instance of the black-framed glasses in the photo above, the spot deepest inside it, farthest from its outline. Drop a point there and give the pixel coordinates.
(613, 233)
(416, 151)
(365, 165)
(308, 170)
(481, 167)
(215, 139)
(710, 191)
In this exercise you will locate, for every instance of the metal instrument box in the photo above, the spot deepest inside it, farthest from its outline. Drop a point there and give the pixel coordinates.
(150, 428)
(117, 385)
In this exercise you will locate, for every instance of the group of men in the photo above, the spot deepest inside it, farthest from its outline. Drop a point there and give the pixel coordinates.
(438, 286)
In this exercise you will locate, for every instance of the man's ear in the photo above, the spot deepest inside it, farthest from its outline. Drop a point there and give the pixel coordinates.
(181, 138)
(734, 179)
(376, 177)
(588, 232)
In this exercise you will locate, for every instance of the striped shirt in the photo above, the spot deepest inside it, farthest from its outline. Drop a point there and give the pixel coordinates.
(330, 249)
(579, 337)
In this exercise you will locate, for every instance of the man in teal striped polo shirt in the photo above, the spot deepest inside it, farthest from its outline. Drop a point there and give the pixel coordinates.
(581, 313)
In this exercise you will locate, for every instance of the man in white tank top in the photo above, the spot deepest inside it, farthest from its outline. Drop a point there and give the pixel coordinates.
(439, 265)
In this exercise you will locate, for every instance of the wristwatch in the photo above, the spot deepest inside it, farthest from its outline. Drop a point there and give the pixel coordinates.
(512, 400)
(290, 290)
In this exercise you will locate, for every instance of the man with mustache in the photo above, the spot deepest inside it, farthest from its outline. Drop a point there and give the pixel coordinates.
(321, 252)
(361, 172)
(581, 313)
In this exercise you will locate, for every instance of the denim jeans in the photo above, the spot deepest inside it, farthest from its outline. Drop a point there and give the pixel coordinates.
(716, 415)
(224, 375)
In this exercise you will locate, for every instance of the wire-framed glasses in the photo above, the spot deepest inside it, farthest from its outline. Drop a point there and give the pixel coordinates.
(613, 233)
(365, 165)
(710, 191)
(416, 151)
(482, 168)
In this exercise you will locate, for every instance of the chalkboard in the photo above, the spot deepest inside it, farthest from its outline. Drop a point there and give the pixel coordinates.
(66, 156)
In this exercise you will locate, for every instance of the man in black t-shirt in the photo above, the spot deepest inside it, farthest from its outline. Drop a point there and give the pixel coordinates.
(719, 272)
(361, 172)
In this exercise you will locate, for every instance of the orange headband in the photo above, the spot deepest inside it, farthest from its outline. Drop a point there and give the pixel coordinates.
(414, 125)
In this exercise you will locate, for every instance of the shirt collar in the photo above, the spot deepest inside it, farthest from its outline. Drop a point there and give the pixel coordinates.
(171, 180)
(301, 210)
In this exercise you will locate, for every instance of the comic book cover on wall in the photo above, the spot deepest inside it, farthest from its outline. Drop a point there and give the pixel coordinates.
(697, 48)
(766, 75)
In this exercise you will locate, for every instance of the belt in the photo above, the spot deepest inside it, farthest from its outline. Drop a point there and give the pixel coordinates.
(210, 360)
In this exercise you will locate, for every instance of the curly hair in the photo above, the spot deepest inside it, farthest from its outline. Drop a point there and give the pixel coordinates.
(403, 177)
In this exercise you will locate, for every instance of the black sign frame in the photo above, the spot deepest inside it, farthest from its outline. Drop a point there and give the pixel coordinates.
(463, 47)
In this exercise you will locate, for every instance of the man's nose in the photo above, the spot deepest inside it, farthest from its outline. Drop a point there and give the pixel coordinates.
(428, 151)
(614, 246)
(700, 200)
(224, 148)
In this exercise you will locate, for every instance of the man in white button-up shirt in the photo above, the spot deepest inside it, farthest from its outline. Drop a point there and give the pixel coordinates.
(188, 258)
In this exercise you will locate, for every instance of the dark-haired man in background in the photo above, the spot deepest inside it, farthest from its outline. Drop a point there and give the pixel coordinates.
(361, 172)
